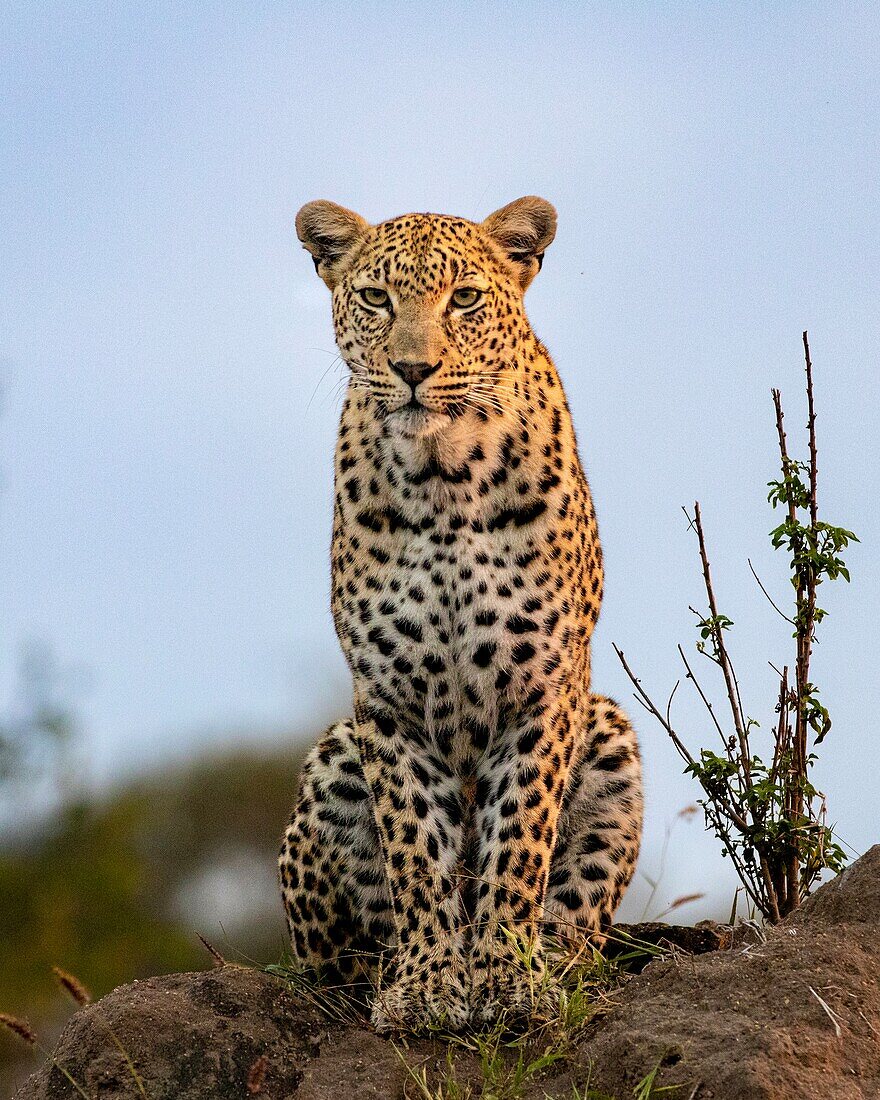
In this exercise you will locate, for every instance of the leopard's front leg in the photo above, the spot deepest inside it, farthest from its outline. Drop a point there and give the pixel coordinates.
(518, 800)
(417, 808)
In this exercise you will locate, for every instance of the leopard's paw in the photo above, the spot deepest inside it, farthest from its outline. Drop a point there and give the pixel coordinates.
(424, 1001)
(512, 988)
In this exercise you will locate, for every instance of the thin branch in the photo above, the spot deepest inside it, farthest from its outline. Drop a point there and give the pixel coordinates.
(742, 716)
(724, 659)
(669, 703)
(769, 889)
(810, 616)
(783, 728)
(798, 765)
(648, 704)
(723, 834)
(707, 703)
(811, 428)
(683, 751)
(783, 447)
(770, 599)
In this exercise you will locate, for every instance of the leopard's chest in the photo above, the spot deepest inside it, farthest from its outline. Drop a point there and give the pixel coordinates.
(453, 626)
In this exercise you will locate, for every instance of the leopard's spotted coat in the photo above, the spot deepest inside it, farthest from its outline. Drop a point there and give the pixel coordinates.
(480, 789)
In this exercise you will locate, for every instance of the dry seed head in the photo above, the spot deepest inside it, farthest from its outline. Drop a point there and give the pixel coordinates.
(18, 1027)
(685, 899)
(212, 951)
(72, 986)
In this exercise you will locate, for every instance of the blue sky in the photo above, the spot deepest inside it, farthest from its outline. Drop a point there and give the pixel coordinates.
(168, 414)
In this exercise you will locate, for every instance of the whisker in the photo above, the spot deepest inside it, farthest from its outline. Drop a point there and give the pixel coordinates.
(501, 395)
(499, 387)
(501, 404)
(330, 367)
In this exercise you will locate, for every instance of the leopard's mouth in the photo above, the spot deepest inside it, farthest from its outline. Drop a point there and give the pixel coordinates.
(416, 420)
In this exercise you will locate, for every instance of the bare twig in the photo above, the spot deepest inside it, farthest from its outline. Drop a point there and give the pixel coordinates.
(647, 702)
(811, 428)
(720, 807)
(770, 599)
(706, 701)
(721, 650)
(783, 726)
(770, 888)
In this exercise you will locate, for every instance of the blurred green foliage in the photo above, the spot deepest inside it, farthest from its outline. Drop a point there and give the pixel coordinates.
(93, 890)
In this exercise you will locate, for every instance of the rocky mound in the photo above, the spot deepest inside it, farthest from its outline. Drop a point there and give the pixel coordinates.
(795, 1016)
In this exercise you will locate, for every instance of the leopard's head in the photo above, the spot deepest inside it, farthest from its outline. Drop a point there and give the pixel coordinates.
(428, 309)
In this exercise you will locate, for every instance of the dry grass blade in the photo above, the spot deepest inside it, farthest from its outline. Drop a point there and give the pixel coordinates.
(136, 1077)
(829, 1012)
(338, 1003)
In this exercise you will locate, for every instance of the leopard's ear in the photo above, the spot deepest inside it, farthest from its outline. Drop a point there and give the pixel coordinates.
(330, 233)
(524, 229)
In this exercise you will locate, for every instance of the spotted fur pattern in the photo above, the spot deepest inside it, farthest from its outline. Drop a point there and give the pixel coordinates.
(480, 794)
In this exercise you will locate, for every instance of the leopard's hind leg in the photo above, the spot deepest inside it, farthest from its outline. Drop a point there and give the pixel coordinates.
(600, 826)
(333, 879)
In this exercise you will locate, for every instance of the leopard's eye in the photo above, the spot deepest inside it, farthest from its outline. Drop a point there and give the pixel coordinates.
(466, 296)
(375, 296)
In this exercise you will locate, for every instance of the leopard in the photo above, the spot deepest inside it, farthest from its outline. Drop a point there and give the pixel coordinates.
(481, 799)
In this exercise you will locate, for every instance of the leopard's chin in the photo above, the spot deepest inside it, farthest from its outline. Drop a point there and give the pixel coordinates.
(417, 422)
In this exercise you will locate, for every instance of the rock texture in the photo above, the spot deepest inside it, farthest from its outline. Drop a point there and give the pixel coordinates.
(795, 1017)
(750, 1023)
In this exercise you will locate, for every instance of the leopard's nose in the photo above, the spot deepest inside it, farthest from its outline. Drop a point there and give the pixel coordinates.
(414, 373)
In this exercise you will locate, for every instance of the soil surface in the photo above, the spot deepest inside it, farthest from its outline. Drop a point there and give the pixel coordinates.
(791, 1015)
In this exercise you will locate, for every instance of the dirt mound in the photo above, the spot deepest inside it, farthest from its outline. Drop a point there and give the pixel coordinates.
(795, 1017)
